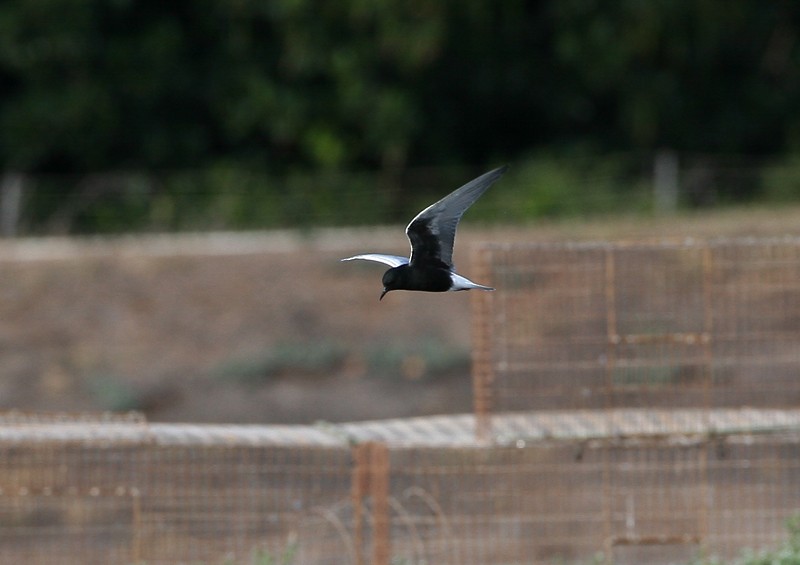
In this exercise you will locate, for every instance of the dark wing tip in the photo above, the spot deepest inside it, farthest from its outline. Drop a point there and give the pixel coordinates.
(495, 174)
(502, 169)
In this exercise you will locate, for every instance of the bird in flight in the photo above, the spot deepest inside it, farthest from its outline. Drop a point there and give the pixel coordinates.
(432, 234)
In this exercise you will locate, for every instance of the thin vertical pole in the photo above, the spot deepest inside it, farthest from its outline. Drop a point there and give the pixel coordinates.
(379, 491)
(359, 487)
(665, 181)
(482, 374)
(11, 187)
(708, 325)
(612, 340)
(136, 510)
(708, 355)
(612, 337)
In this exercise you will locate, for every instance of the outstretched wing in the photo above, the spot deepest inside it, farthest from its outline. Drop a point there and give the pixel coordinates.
(432, 232)
(391, 260)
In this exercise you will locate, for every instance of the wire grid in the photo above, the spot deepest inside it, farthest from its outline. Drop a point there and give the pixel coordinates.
(311, 495)
(102, 497)
(613, 377)
(607, 325)
(631, 501)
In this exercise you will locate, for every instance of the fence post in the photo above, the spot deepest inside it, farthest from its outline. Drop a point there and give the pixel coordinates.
(665, 181)
(612, 331)
(136, 534)
(371, 479)
(379, 491)
(359, 486)
(482, 376)
(10, 203)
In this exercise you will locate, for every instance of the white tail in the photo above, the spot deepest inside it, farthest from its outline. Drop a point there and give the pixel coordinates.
(463, 283)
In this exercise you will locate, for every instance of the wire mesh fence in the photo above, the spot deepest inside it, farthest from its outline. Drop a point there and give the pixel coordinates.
(635, 403)
(600, 325)
(119, 490)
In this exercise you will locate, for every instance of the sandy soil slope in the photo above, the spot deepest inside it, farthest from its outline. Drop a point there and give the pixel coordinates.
(260, 327)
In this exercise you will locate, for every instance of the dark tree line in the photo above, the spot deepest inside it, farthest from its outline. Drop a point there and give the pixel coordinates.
(287, 86)
(300, 83)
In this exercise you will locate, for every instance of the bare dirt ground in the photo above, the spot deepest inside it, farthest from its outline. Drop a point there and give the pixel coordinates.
(261, 327)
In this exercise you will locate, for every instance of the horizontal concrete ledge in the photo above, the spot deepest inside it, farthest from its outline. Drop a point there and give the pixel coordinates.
(513, 429)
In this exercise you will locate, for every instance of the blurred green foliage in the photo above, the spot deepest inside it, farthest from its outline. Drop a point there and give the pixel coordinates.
(424, 359)
(788, 553)
(781, 182)
(253, 114)
(312, 358)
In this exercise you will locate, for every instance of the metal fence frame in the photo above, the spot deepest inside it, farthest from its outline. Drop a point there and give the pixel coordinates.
(631, 480)
(590, 315)
(548, 488)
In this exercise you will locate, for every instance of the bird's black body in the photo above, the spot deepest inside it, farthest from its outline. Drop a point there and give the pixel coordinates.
(432, 235)
(427, 278)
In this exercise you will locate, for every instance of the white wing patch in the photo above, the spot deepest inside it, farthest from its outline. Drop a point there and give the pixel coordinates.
(391, 260)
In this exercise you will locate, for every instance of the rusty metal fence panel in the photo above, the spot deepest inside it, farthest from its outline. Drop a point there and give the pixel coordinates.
(124, 491)
(605, 325)
(634, 404)
(117, 490)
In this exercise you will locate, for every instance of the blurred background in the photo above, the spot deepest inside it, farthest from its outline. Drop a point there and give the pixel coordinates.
(179, 179)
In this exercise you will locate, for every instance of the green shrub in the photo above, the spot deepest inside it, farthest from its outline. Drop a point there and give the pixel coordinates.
(566, 186)
(317, 358)
(781, 182)
(787, 554)
(416, 360)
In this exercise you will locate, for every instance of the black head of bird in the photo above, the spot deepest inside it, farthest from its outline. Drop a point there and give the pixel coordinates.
(393, 279)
